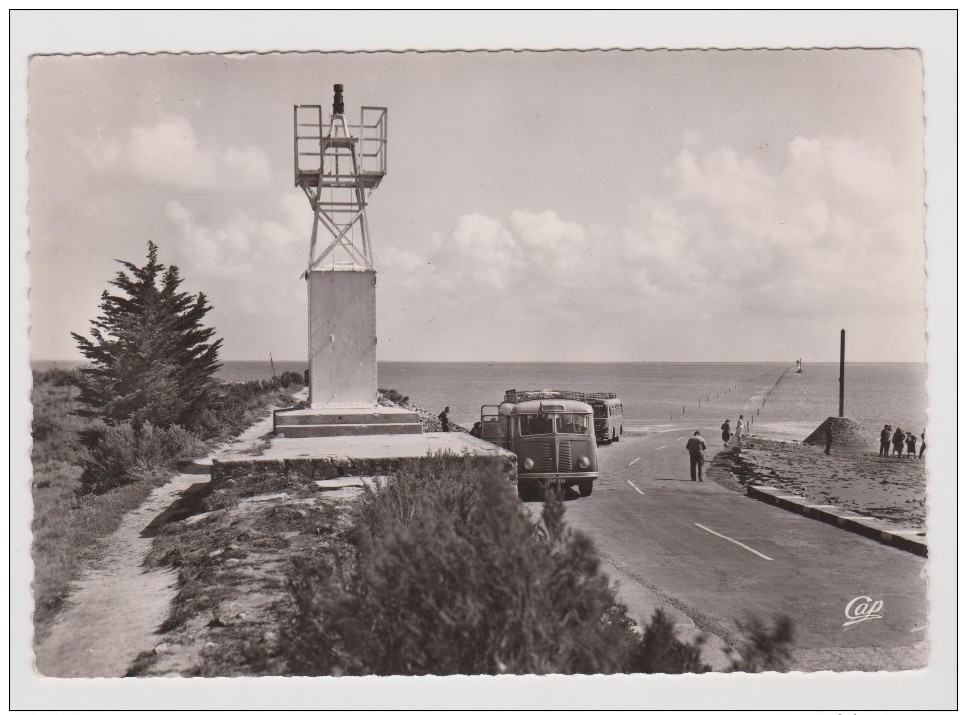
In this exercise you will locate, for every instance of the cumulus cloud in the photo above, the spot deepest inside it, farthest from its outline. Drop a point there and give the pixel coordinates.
(170, 153)
(238, 241)
(827, 230)
(830, 226)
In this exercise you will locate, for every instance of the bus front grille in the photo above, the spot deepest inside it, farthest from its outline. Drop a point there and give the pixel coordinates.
(564, 457)
(547, 457)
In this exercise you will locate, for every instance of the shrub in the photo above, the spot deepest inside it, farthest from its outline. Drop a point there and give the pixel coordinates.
(290, 378)
(115, 452)
(660, 651)
(234, 405)
(54, 428)
(762, 649)
(451, 577)
(394, 395)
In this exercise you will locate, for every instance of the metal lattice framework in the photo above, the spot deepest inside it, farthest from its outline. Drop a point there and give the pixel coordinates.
(338, 165)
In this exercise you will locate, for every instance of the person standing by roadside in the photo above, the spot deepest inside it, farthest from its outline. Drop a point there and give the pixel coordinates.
(695, 446)
(923, 442)
(445, 419)
(739, 430)
(898, 440)
(885, 441)
(829, 436)
(726, 432)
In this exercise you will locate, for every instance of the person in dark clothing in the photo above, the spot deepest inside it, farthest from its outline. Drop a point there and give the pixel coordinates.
(445, 419)
(911, 444)
(475, 430)
(923, 443)
(885, 441)
(898, 439)
(726, 432)
(695, 446)
(829, 436)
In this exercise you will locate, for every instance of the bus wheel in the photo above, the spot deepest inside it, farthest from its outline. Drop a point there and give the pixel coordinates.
(585, 488)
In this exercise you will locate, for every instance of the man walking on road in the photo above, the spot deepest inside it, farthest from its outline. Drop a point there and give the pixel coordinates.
(445, 419)
(696, 455)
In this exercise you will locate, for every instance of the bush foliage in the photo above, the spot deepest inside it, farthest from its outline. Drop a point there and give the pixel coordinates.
(451, 577)
(764, 649)
(117, 453)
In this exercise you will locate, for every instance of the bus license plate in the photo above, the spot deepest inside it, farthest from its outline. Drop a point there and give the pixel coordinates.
(555, 480)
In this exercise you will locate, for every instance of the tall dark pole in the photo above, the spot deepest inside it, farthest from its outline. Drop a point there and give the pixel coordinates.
(842, 368)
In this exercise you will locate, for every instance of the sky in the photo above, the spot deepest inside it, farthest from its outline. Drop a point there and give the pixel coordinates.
(617, 206)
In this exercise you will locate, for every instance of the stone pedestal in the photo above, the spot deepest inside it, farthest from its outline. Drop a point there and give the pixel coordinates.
(342, 338)
(346, 421)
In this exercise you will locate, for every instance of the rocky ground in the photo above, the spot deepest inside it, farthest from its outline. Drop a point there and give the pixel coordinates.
(892, 489)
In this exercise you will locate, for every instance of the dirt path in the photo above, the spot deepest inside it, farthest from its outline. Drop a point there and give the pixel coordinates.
(116, 606)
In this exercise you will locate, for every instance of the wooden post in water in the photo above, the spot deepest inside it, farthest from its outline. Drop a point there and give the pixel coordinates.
(842, 368)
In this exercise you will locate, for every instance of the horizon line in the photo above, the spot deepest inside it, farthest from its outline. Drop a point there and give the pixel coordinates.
(565, 362)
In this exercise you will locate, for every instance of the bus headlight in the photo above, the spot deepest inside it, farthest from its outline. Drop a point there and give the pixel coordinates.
(584, 463)
(528, 463)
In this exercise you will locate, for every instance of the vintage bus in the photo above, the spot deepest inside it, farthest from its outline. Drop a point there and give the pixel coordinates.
(608, 416)
(552, 435)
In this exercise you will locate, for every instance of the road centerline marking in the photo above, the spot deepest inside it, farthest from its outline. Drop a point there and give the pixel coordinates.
(738, 543)
(633, 486)
(636, 459)
(680, 438)
(662, 447)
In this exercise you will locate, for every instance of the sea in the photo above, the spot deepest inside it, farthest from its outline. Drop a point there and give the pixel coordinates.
(780, 403)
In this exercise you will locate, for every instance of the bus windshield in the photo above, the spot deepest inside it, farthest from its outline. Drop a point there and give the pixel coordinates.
(572, 424)
(536, 424)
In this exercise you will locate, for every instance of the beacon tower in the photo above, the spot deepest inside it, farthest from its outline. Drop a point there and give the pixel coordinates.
(337, 166)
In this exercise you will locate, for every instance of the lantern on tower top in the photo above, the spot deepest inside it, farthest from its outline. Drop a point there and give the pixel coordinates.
(338, 165)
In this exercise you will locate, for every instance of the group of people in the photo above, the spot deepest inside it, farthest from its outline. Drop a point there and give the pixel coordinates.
(741, 428)
(898, 439)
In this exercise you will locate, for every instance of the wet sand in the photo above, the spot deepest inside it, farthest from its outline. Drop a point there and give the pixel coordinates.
(888, 488)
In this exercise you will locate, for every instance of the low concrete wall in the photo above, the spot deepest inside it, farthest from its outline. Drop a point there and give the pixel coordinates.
(910, 540)
(321, 468)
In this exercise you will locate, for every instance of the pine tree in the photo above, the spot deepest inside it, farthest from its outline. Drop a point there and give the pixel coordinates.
(151, 360)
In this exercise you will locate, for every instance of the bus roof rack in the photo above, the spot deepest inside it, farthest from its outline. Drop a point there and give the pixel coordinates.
(518, 396)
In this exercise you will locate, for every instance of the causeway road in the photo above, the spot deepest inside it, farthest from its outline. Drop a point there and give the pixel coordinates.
(711, 557)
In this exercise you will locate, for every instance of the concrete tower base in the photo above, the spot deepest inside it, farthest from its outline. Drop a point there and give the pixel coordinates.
(342, 363)
(345, 421)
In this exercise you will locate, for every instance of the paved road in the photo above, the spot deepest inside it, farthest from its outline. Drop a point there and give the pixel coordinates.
(712, 556)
